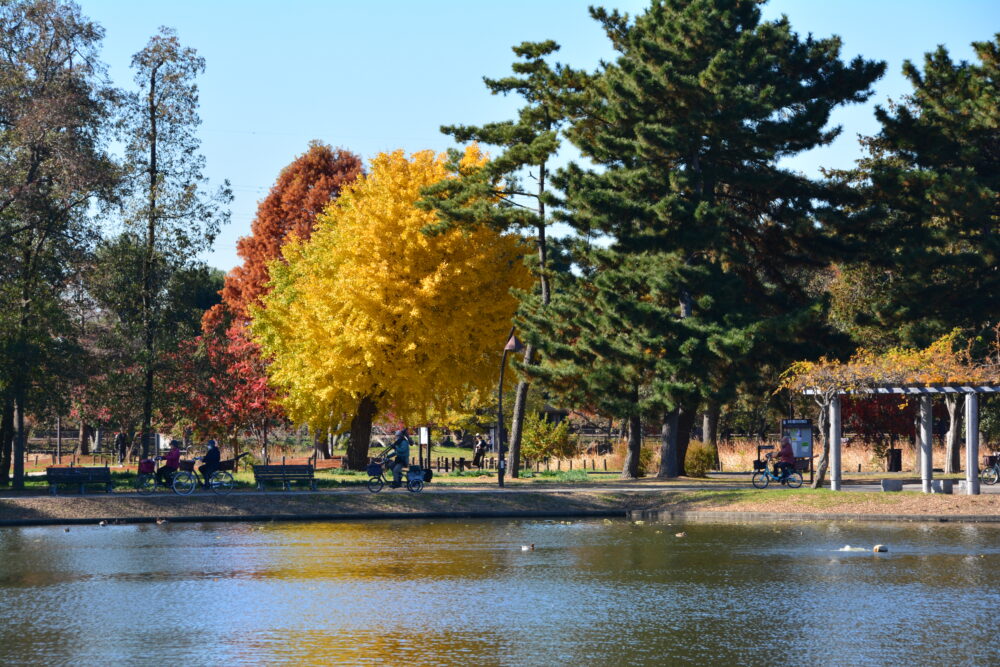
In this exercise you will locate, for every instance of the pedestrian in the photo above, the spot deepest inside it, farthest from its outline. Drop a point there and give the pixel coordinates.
(121, 445)
(480, 451)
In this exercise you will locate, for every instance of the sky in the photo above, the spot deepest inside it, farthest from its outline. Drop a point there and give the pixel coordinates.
(386, 74)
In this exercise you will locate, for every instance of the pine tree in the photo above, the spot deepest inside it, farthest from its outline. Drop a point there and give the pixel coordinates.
(495, 194)
(688, 126)
(933, 189)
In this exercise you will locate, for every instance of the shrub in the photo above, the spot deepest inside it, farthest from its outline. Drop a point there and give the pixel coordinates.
(542, 439)
(646, 455)
(699, 460)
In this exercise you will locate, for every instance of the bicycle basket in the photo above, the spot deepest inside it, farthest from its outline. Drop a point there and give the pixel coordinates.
(374, 469)
(228, 465)
(146, 466)
(428, 474)
(415, 473)
(186, 465)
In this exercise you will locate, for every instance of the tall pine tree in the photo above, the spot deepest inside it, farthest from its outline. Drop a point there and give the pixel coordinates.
(497, 194)
(688, 126)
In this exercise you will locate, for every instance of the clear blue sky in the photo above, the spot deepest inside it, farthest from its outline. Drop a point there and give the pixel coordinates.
(385, 74)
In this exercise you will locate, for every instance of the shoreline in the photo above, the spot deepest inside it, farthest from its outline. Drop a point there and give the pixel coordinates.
(638, 504)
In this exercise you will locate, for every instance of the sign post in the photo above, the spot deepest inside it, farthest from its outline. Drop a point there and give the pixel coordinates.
(800, 432)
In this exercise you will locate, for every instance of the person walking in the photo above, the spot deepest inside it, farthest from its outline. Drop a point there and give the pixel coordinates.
(480, 451)
(121, 446)
(401, 453)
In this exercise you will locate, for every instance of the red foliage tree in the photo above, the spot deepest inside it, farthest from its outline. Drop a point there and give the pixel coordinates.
(221, 376)
(303, 190)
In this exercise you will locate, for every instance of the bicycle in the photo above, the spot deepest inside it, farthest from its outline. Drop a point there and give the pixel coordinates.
(186, 479)
(764, 477)
(147, 482)
(990, 475)
(415, 476)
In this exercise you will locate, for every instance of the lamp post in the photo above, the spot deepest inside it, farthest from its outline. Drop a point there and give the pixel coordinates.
(512, 345)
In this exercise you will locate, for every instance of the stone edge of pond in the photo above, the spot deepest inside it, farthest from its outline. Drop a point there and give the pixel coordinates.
(810, 516)
(721, 516)
(336, 516)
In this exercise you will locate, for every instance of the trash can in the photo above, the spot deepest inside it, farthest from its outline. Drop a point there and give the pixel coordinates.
(894, 460)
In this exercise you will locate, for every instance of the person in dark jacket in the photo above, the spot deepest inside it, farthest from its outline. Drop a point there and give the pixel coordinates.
(210, 462)
(121, 446)
(401, 452)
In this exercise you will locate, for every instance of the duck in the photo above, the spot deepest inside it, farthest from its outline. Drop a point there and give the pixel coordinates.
(527, 547)
(680, 534)
(160, 522)
(102, 523)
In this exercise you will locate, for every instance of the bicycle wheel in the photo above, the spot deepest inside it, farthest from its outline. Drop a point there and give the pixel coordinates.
(184, 483)
(989, 476)
(375, 484)
(761, 480)
(145, 484)
(794, 480)
(415, 486)
(221, 482)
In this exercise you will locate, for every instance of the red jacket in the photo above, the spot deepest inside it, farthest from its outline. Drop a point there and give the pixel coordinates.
(786, 455)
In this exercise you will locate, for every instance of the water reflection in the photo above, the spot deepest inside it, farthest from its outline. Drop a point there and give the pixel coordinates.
(463, 592)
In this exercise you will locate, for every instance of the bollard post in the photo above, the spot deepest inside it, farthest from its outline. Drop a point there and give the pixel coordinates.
(605, 465)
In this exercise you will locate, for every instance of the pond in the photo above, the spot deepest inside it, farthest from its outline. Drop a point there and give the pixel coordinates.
(466, 593)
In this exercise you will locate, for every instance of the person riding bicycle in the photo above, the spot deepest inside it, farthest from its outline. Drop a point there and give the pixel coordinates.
(171, 463)
(400, 450)
(786, 458)
(210, 462)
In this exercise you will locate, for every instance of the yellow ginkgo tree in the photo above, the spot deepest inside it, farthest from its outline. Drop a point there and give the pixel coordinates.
(372, 317)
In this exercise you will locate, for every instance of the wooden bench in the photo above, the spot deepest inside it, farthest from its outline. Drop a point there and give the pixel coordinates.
(78, 476)
(285, 474)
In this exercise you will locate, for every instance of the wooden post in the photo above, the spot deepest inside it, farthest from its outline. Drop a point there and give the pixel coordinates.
(59, 439)
(605, 464)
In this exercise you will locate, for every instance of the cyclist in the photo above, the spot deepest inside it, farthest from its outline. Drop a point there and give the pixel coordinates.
(171, 462)
(401, 450)
(210, 462)
(786, 458)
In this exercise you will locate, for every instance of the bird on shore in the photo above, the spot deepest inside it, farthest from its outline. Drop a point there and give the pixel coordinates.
(527, 547)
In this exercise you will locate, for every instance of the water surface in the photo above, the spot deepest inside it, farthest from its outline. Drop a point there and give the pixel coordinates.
(465, 593)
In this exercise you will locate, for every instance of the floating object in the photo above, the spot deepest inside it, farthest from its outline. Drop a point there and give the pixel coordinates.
(527, 547)
(639, 523)
(160, 522)
(102, 523)
(848, 547)
(879, 548)
(681, 534)
(66, 530)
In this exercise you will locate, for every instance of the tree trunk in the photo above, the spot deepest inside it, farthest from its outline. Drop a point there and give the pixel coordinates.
(321, 446)
(517, 420)
(952, 458)
(361, 434)
(668, 445)
(6, 439)
(20, 441)
(710, 426)
(83, 443)
(824, 459)
(630, 468)
(264, 454)
(685, 422)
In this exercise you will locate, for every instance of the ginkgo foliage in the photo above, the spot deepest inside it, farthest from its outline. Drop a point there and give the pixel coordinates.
(371, 316)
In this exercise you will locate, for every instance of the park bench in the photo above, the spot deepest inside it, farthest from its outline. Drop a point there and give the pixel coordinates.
(285, 474)
(79, 477)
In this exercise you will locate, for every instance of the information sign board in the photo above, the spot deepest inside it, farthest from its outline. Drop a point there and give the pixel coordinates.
(800, 432)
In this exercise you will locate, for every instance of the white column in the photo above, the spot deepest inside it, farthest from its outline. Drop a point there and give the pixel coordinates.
(926, 442)
(972, 444)
(835, 444)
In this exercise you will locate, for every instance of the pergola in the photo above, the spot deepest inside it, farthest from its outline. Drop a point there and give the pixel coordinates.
(926, 394)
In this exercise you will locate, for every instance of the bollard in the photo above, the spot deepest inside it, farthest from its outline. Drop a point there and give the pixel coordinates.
(605, 465)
